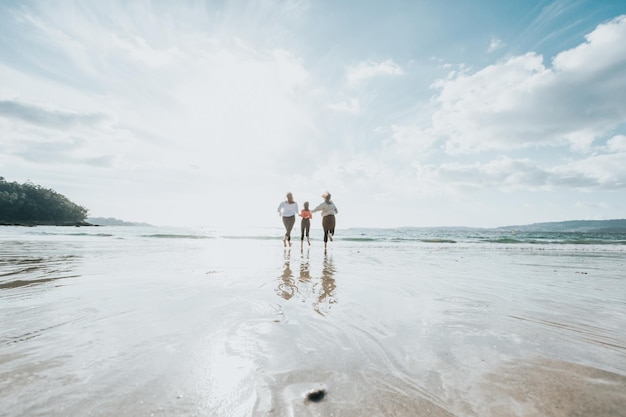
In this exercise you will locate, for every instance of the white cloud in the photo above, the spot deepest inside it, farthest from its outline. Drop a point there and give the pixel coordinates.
(139, 49)
(349, 106)
(494, 45)
(604, 50)
(42, 116)
(502, 173)
(182, 117)
(370, 69)
(597, 171)
(412, 139)
(210, 106)
(593, 205)
(617, 144)
(520, 102)
(509, 174)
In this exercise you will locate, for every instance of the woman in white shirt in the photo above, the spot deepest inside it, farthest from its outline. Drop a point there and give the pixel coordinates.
(328, 210)
(288, 210)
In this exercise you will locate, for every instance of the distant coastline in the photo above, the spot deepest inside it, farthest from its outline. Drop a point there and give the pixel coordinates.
(111, 221)
(53, 223)
(580, 226)
(90, 221)
(567, 226)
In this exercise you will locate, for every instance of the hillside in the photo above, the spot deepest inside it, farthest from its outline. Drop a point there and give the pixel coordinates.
(30, 204)
(607, 226)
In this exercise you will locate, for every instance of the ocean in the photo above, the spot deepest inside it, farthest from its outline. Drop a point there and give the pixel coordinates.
(157, 321)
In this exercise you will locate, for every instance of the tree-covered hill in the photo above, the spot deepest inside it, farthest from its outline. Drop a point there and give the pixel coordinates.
(30, 204)
(582, 226)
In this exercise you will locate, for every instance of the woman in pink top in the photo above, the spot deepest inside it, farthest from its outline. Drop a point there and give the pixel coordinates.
(305, 225)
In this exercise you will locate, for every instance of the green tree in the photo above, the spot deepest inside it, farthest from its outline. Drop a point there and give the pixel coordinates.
(32, 204)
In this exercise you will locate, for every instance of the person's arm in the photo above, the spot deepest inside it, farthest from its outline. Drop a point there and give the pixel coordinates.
(280, 206)
(318, 208)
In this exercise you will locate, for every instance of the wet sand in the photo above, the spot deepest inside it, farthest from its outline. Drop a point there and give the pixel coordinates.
(241, 327)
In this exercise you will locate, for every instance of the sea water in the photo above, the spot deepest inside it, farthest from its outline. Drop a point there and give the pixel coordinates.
(148, 321)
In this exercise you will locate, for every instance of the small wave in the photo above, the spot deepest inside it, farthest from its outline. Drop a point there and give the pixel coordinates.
(90, 234)
(175, 236)
(504, 240)
(556, 242)
(438, 240)
(361, 239)
(73, 234)
(400, 239)
(260, 237)
(423, 240)
(593, 242)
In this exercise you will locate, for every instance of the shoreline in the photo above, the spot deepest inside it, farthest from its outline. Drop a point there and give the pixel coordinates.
(74, 224)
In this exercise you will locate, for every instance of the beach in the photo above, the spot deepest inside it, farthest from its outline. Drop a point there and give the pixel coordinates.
(147, 321)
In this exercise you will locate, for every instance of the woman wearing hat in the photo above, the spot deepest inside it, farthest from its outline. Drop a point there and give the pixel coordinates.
(328, 210)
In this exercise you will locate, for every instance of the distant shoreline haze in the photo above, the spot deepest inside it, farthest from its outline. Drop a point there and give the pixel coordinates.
(614, 225)
(580, 226)
(111, 221)
(29, 204)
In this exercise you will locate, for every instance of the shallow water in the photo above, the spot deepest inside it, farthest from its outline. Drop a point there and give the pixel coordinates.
(150, 321)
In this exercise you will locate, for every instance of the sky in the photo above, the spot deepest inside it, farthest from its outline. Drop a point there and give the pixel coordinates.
(423, 113)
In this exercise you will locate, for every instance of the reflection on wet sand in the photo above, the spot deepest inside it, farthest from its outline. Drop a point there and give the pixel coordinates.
(319, 292)
(326, 288)
(287, 286)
